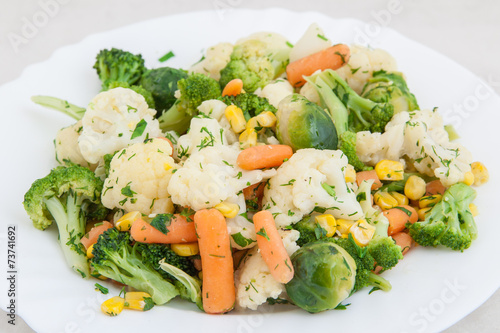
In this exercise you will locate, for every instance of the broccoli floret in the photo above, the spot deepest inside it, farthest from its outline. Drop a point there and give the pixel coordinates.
(251, 63)
(138, 89)
(309, 230)
(385, 252)
(118, 65)
(162, 83)
(391, 88)
(250, 104)
(69, 196)
(74, 111)
(115, 258)
(153, 253)
(449, 222)
(347, 143)
(194, 89)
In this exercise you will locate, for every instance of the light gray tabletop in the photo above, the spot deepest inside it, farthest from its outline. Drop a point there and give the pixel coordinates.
(467, 31)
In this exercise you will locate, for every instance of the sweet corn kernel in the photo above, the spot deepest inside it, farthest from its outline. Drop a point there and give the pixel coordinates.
(400, 198)
(468, 178)
(236, 118)
(167, 166)
(343, 227)
(89, 252)
(421, 213)
(248, 138)
(200, 275)
(350, 174)
(113, 306)
(228, 209)
(327, 222)
(125, 222)
(185, 250)
(389, 170)
(481, 174)
(362, 232)
(415, 187)
(384, 200)
(263, 119)
(473, 209)
(429, 200)
(138, 300)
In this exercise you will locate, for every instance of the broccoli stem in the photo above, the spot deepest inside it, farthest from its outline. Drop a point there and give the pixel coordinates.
(74, 111)
(379, 282)
(71, 225)
(174, 120)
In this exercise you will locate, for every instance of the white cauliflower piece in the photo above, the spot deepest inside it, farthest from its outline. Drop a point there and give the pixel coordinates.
(309, 92)
(275, 91)
(253, 280)
(362, 63)
(214, 108)
(215, 60)
(210, 176)
(312, 41)
(113, 120)
(203, 132)
(66, 145)
(241, 229)
(420, 137)
(297, 188)
(139, 177)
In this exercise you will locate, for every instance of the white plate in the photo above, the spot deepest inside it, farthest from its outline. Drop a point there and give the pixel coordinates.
(432, 289)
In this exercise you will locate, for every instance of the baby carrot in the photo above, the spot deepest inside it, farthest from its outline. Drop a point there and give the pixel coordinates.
(218, 291)
(331, 58)
(403, 240)
(399, 216)
(179, 231)
(271, 247)
(265, 156)
(434, 187)
(368, 175)
(92, 236)
(233, 88)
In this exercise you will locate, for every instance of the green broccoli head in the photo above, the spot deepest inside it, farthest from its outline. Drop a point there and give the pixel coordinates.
(450, 222)
(391, 88)
(69, 196)
(251, 63)
(347, 143)
(310, 231)
(194, 89)
(250, 104)
(115, 258)
(385, 252)
(153, 253)
(118, 65)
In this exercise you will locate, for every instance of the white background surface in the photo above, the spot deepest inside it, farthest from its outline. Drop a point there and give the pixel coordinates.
(465, 31)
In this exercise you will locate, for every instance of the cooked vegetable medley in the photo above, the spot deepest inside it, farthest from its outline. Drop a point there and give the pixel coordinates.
(265, 173)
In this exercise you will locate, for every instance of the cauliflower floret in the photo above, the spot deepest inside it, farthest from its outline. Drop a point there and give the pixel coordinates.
(66, 145)
(312, 41)
(362, 63)
(253, 280)
(240, 228)
(138, 178)
(419, 136)
(310, 92)
(210, 176)
(113, 120)
(275, 91)
(215, 59)
(203, 132)
(301, 183)
(214, 108)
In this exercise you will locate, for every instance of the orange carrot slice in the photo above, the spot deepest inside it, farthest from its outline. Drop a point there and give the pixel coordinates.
(233, 88)
(434, 187)
(368, 175)
(331, 58)
(94, 233)
(265, 156)
(398, 218)
(218, 289)
(179, 231)
(403, 240)
(271, 247)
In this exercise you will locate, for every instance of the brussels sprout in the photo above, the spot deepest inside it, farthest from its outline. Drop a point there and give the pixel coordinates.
(324, 276)
(303, 124)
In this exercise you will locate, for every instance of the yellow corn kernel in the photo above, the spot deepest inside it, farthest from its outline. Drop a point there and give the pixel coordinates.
(89, 252)
(389, 170)
(138, 300)
(113, 306)
(415, 187)
(468, 178)
(421, 213)
(248, 138)
(263, 119)
(362, 232)
(343, 227)
(236, 118)
(400, 198)
(200, 275)
(429, 200)
(167, 166)
(473, 209)
(125, 222)
(228, 209)
(186, 249)
(327, 222)
(350, 174)
(384, 200)
(481, 174)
